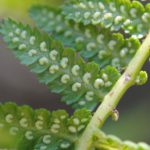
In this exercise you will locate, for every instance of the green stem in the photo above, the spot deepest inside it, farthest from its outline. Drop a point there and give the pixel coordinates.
(113, 97)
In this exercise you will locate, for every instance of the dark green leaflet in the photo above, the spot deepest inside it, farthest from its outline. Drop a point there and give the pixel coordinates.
(81, 84)
(27, 129)
(132, 17)
(93, 43)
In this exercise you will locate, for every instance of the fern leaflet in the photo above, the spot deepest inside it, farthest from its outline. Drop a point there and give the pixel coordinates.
(58, 67)
(132, 17)
(93, 43)
(112, 142)
(40, 129)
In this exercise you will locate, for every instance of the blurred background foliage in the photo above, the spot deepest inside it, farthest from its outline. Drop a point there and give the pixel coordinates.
(19, 85)
(19, 8)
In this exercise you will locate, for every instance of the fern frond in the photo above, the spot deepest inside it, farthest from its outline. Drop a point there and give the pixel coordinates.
(93, 43)
(109, 142)
(27, 129)
(132, 17)
(81, 84)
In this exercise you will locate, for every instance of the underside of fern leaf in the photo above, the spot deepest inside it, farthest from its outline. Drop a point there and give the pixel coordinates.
(25, 129)
(81, 84)
(22, 128)
(93, 43)
(132, 17)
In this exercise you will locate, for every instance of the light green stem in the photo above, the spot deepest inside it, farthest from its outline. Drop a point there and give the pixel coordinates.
(113, 97)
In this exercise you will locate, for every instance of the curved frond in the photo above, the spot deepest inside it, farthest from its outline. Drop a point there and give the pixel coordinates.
(61, 69)
(132, 17)
(22, 128)
(93, 43)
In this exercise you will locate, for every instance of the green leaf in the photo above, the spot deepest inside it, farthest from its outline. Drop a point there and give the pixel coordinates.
(60, 68)
(132, 17)
(93, 43)
(24, 128)
(113, 142)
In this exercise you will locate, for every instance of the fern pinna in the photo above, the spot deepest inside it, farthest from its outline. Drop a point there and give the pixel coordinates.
(132, 17)
(40, 129)
(93, 43)
(60, 68)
